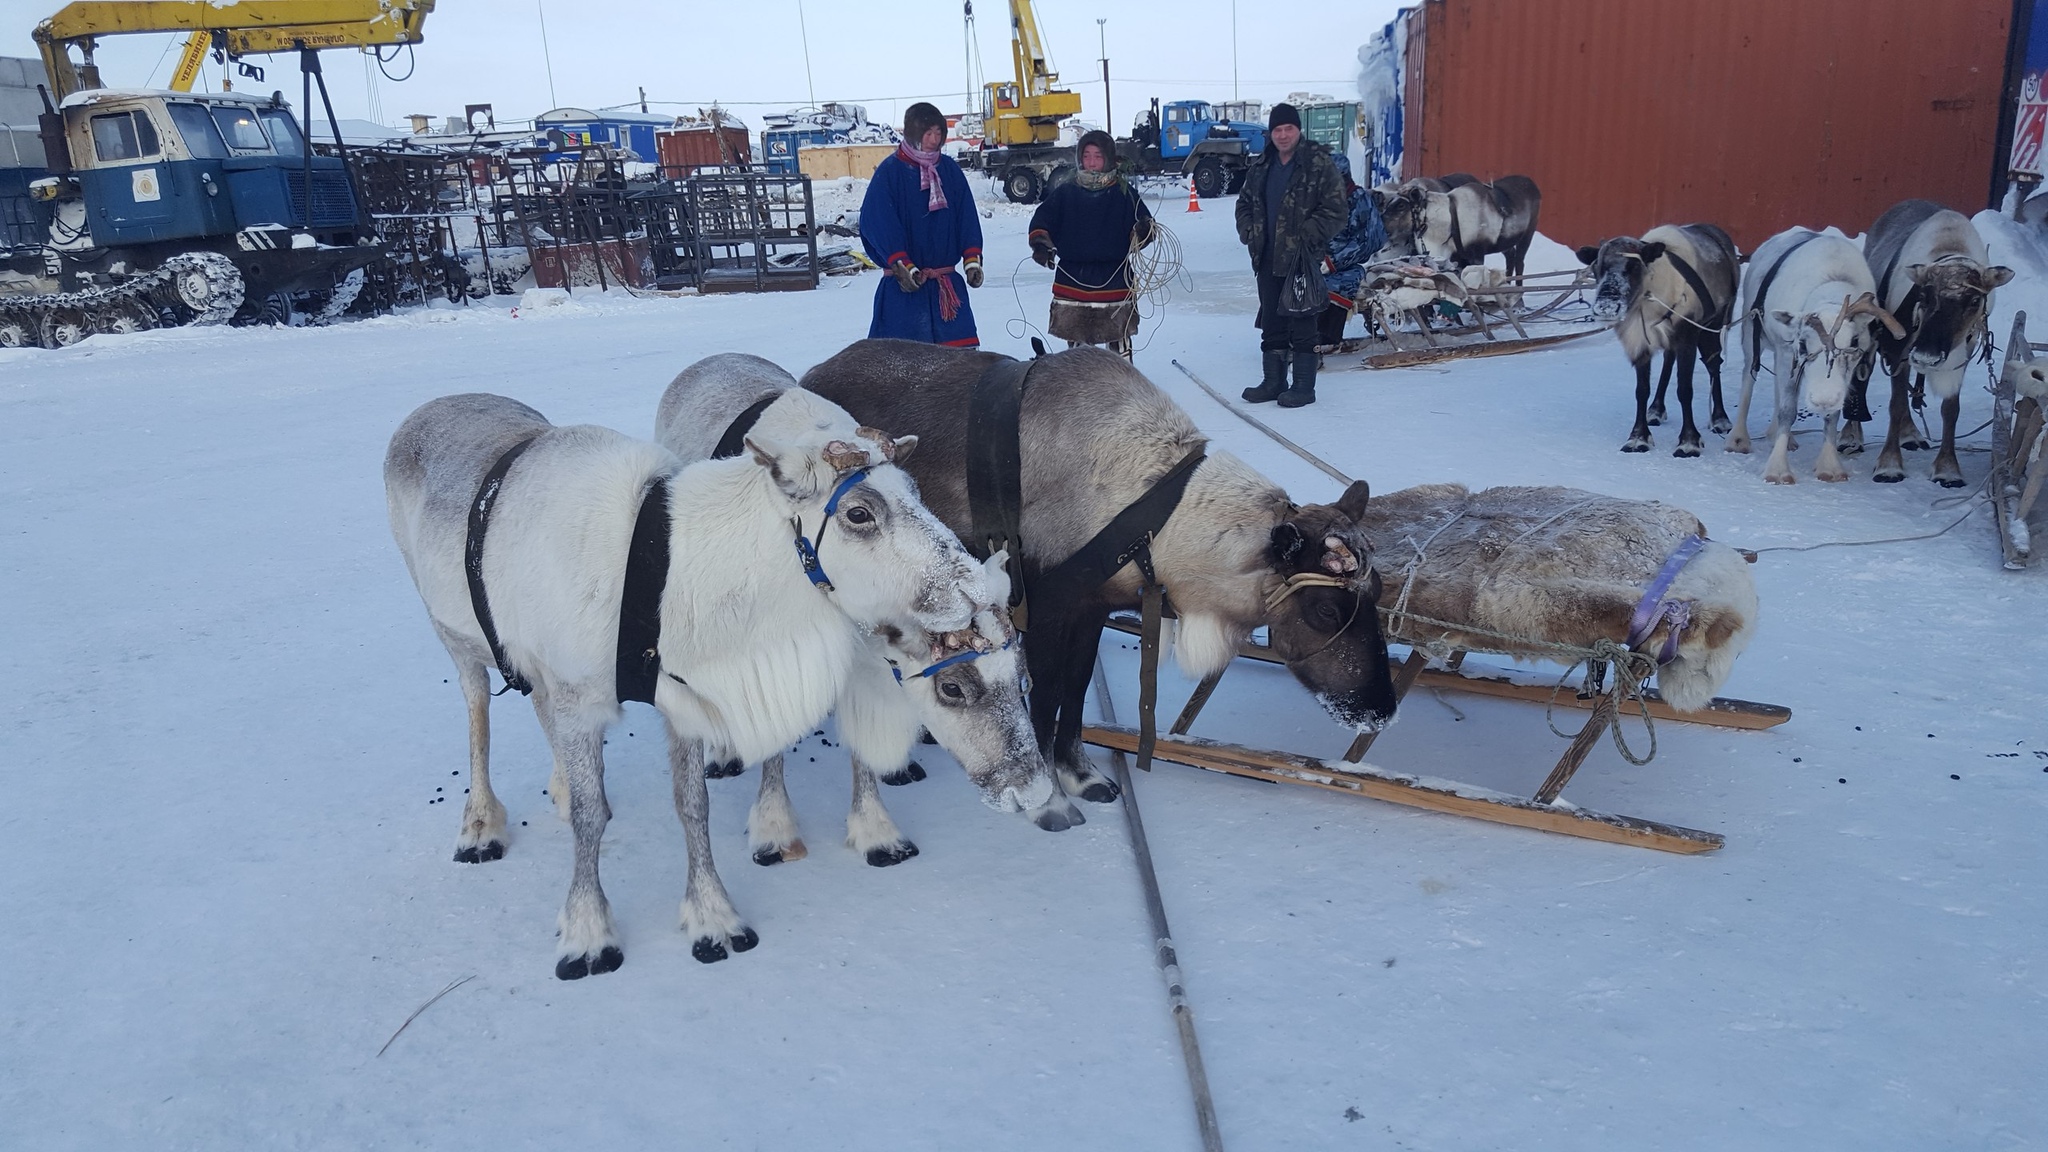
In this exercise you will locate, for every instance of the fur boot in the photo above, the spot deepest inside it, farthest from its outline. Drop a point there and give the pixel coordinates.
(1303, 393)
(1275, 382)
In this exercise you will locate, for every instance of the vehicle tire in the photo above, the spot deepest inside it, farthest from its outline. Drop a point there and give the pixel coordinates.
(128, 316)
(17, 331)
(1022, 186)
(1210, 180)
(63, 327)
(1236, 182)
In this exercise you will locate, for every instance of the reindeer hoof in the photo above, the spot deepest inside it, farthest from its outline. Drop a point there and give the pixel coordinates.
(480, 853)
(1101, 792)
(889, 854)
(1656, 417)
(1950, 481)
(1831, 477)
(721, 769)
(707, 950)
(789, 853)
(1686, 451)
(1849, 448)
(1785, 479)
(1637, 444)
(1888, 476)
(910, 773)
(1912, 444)
(1058, 816)
(577, 967)
(1721, 426)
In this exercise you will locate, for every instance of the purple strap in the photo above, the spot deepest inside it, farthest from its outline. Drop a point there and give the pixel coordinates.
(1653, 609)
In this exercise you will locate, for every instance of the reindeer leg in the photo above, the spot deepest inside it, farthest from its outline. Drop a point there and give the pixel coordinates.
(1785, 407)
(708, 917)
(772, 833)
(1639, 436)
(1910, 438)
(1947, 472)
(1663, 381)
(1710, 354)
(1752, 350)
(588, 944)
(1077, 774)
(1891, 467)
(1044, 658)
(869, 830)
(1856, 410)
(1829, 466)
(1688, 433)
(482, 836)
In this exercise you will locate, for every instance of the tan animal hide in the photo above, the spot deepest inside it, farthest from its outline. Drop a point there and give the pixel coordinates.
(1557, 565)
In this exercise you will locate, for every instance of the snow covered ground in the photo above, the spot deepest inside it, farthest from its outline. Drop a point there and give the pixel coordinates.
(234, 765)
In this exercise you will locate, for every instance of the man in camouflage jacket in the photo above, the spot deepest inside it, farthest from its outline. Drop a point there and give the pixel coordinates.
(1292, 204)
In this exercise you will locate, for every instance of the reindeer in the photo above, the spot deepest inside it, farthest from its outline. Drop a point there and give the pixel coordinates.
(749, 647)
(1934, 274)
(1812, 296)
(1400, 208)
(1668, 292)
(967, 691)
(1468, 223)
(1234, 555)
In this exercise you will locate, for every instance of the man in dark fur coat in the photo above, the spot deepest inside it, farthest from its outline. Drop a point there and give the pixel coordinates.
(1090, 227)
(1292, 204)
(917, 223)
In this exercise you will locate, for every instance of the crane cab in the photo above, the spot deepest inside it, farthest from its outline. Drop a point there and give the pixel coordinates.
(154, 166)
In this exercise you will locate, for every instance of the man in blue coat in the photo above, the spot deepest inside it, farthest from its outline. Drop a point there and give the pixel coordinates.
(919, 225)
(1363, 235)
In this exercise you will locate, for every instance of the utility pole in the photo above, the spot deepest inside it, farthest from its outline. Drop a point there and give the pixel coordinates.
(1233, 50)
(1102, 39)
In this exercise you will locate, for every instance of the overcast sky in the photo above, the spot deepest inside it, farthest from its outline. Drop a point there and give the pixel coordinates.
(750, 54)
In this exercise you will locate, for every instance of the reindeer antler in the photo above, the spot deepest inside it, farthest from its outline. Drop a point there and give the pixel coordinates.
(882, 439)
(1867, 305)
(845, 457)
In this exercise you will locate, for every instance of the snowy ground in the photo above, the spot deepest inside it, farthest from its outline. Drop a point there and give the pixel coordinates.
(229, 731)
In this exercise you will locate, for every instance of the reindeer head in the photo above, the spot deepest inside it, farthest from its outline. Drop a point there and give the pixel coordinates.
(1945, 310)
(1833, 345)
(1323, 609)
(975, 707)
(1619, 266)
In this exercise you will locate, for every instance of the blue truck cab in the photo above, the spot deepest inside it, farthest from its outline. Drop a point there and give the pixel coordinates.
(162, 167)
(1184, 124)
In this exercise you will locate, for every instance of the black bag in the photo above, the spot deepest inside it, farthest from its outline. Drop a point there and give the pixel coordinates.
(1304, 293)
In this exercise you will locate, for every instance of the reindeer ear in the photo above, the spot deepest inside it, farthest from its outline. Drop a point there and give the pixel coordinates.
(997, 572)
(1352, 502)
(1917, 273)
(1286, 544)
(1996, 276)
(900, 448)
(1652, 252)
(768, 454)
(1588, 254)
(1784, 317)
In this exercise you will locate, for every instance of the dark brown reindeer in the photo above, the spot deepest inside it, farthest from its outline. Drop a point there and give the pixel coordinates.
(1095, 437)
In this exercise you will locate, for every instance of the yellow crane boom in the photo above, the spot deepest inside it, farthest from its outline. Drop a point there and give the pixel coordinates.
(1031, 109)
(239, 27)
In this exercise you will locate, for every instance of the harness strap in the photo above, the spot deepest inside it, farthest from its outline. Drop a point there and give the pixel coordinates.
(957, 658)
(995, 471)
(1127, 537)
(806, 550)
(473, 563)
(639, 657)
(1763, 286)
(1714, 316)
(735, 438)
(1652, 608)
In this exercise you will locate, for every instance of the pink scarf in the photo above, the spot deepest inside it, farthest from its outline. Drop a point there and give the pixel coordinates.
(927, 173)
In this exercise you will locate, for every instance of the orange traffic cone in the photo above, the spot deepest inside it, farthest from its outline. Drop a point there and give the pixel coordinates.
(1194, 205)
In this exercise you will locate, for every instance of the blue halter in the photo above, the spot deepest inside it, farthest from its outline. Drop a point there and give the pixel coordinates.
(948, 662)
(807, 552)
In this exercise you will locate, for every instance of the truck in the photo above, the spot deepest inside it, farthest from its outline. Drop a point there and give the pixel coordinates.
(158, 207)
(1187, 138)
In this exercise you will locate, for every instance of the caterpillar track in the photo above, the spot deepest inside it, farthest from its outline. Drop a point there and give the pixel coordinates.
(189, 288)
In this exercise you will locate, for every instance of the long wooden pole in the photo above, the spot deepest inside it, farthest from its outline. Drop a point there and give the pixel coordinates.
(1162, 936)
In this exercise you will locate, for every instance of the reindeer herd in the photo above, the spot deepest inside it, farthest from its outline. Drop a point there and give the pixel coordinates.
(1915, 296)
(772, 557)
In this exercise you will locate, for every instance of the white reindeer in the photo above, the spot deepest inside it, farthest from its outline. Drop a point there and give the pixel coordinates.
(1811, 295)
(971, 697)
(752, 651)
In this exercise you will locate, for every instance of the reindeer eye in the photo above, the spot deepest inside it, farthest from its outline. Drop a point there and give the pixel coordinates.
(855, 514)
(952, 692)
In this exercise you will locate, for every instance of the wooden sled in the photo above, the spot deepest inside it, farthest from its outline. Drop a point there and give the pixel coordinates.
(1542, 811)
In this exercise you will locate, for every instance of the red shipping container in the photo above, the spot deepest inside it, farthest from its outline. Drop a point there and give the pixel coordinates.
(1756, 115)
(684, 150)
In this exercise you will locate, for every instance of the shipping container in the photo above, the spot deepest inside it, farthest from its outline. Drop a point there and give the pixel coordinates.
(569, 130)
(1756, 115)
(684, 150)
(833, 161)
